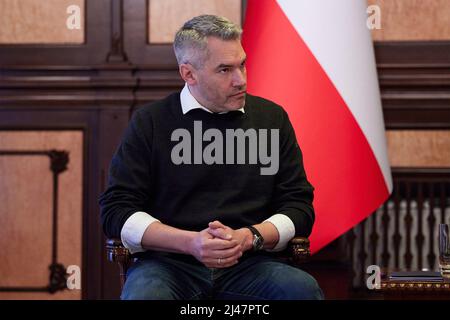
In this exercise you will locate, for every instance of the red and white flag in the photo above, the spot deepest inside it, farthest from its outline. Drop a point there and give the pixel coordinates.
(316, 59)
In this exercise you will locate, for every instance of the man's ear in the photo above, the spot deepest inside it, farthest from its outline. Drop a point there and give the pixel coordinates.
(187, 72)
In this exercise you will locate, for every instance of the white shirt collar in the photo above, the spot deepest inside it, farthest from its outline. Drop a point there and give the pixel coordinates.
(188, 102)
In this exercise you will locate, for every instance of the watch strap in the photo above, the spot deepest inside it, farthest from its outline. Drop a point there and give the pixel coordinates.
(256, 233)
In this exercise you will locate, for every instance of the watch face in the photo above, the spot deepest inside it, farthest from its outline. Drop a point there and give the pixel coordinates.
(257, 242)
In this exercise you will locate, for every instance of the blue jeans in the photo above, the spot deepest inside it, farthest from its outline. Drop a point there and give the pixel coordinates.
(257, 277)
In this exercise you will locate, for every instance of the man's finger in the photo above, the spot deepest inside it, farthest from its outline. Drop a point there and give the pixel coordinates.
(219, 244)
(234, 253)
(220, 233)
(216, 224)
(222, 263)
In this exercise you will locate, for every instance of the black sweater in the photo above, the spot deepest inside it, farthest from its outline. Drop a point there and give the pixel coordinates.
(143, 177)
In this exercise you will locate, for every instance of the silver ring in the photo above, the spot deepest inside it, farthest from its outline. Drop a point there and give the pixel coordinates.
(219, 261)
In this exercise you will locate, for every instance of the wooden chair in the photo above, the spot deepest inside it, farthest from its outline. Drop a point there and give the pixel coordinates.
(296, 253)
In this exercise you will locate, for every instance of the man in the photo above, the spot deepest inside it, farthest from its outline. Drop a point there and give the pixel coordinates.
(203, 216)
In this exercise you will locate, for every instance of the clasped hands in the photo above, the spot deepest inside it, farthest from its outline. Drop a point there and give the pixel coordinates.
(219, 246)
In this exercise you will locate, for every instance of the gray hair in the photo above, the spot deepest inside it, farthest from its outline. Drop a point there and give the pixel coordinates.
(191, 39)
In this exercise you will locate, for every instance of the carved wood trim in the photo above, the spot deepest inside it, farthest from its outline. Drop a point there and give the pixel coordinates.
(407, 53)
(117, 53)
(415, 286)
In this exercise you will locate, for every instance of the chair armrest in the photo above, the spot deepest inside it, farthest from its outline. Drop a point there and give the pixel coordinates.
(298, 250)
(116, 252)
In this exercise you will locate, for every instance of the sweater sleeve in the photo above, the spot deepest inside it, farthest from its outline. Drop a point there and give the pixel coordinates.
(129, 181)
(293, 194)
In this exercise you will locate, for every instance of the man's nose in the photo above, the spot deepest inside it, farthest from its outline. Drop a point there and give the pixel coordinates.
(239, 78)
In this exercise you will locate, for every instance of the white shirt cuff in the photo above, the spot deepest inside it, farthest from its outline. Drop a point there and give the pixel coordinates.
(286, 230)
(133, 230)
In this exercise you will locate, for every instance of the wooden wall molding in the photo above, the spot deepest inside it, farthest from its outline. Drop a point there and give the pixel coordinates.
(413, 52)
(49, 86)
(414, 80)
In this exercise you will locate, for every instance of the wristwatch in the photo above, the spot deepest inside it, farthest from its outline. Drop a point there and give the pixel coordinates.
(258, 240)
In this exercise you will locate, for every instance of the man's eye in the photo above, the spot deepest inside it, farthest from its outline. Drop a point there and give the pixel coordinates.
(224, 70)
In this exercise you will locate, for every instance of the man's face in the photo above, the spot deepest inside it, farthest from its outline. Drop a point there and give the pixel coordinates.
(221, 80)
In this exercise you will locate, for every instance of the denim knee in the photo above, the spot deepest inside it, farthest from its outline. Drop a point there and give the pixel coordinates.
(162, 279)
(299, 285)
(147, 281)
(153, 289)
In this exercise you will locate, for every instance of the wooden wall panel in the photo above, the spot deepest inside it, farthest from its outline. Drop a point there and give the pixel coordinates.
(26, 212)
(419, 148)
(167, 16)
(39, 22)
(26, 215)
(413, 20)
